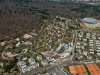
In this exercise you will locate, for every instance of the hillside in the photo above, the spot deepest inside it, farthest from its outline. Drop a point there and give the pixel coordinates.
(20, 16)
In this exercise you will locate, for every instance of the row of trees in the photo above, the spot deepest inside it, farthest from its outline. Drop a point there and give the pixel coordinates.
(87, 10)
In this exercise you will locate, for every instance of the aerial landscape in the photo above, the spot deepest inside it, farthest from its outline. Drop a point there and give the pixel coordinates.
(49, 37)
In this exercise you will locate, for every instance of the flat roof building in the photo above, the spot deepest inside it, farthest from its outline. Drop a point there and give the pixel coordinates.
(90, 20)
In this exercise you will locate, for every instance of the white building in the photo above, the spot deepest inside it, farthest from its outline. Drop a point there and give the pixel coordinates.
(44, 62)
(31, 61)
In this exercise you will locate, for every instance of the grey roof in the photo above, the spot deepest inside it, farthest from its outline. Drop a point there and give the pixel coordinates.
(90, 20)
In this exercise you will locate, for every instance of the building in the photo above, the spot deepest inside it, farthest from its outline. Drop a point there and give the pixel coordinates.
(39, 57)
(62, 45)
(24, 67)
(44, 62)
(90, 20)
(31, 61)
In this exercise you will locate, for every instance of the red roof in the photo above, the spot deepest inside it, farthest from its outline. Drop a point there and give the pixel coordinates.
(92, 67)
(48, 53)
(77, 69)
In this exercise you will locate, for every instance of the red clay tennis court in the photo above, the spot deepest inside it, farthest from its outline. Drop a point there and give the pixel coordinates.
(85, 74)
(95, 72)
(92, 67)
(77, 69)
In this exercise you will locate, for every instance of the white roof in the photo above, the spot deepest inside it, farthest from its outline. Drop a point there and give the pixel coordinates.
(22, 64)
(31, 61)
(17, 45)
(98, 53)
(90, 20)
(91, 40)
(91, 52)
(65, 55)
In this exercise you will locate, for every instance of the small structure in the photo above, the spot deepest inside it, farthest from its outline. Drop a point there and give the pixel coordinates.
(44, 62)
(27, 43)
(31, 61)
(3, 43)
(17, 39)
(39, 57)
(64, 55)
(22, 65)
(27, 36)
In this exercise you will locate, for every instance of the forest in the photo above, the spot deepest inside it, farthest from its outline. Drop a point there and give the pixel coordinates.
(87, 10)
(18, 17)
(21, 16)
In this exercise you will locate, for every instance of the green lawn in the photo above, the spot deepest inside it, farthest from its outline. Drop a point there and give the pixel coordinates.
(97, 29)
